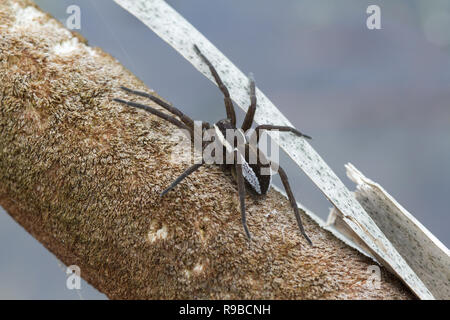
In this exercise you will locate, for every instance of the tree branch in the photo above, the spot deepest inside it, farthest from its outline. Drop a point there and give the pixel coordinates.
(83, 175)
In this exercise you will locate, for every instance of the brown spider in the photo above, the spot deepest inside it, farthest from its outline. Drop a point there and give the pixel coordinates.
(246, 173)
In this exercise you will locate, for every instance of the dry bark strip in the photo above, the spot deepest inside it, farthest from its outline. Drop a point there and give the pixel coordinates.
(83, 175)
(427, 256)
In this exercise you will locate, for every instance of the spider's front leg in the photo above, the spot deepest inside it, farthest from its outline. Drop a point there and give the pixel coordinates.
(250, 115)
(155, 112)
(260, 128)
(231, 114)
(173, 110)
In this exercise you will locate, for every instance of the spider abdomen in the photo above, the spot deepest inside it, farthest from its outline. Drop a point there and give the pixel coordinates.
(255, 166)
(257, 170)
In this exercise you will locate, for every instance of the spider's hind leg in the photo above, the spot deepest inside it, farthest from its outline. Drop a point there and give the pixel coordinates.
(294, 206)
(184, 175)
(241, 190)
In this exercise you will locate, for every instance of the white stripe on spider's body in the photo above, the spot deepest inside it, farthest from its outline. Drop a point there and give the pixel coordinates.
(250, 175)
(222, 139)
(247, 171)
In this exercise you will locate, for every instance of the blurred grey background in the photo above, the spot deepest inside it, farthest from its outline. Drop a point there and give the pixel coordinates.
(376, 98)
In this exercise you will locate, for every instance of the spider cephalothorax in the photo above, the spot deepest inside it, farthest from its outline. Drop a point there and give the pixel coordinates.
(249, 166)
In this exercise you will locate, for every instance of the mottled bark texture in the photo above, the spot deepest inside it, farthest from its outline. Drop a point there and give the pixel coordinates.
(83, 175)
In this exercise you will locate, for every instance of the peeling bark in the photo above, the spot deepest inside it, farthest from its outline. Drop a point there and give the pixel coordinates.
(83, 175)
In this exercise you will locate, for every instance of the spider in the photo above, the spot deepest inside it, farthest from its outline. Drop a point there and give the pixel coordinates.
(248, 175)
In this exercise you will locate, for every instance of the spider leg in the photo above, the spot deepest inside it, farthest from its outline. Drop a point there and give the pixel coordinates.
(155, 112)
(290, 195)
(187, 120)
(231, 114)
(280, 128)
(184, 175)
(250, 116)
(241, 191)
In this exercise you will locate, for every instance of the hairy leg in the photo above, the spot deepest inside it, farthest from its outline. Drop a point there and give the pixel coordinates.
(279, 128)
(250, 116)
(290, 195)
(231, 114)
(241, 190)
(187, 120)
(155, 112)
(184, 175)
